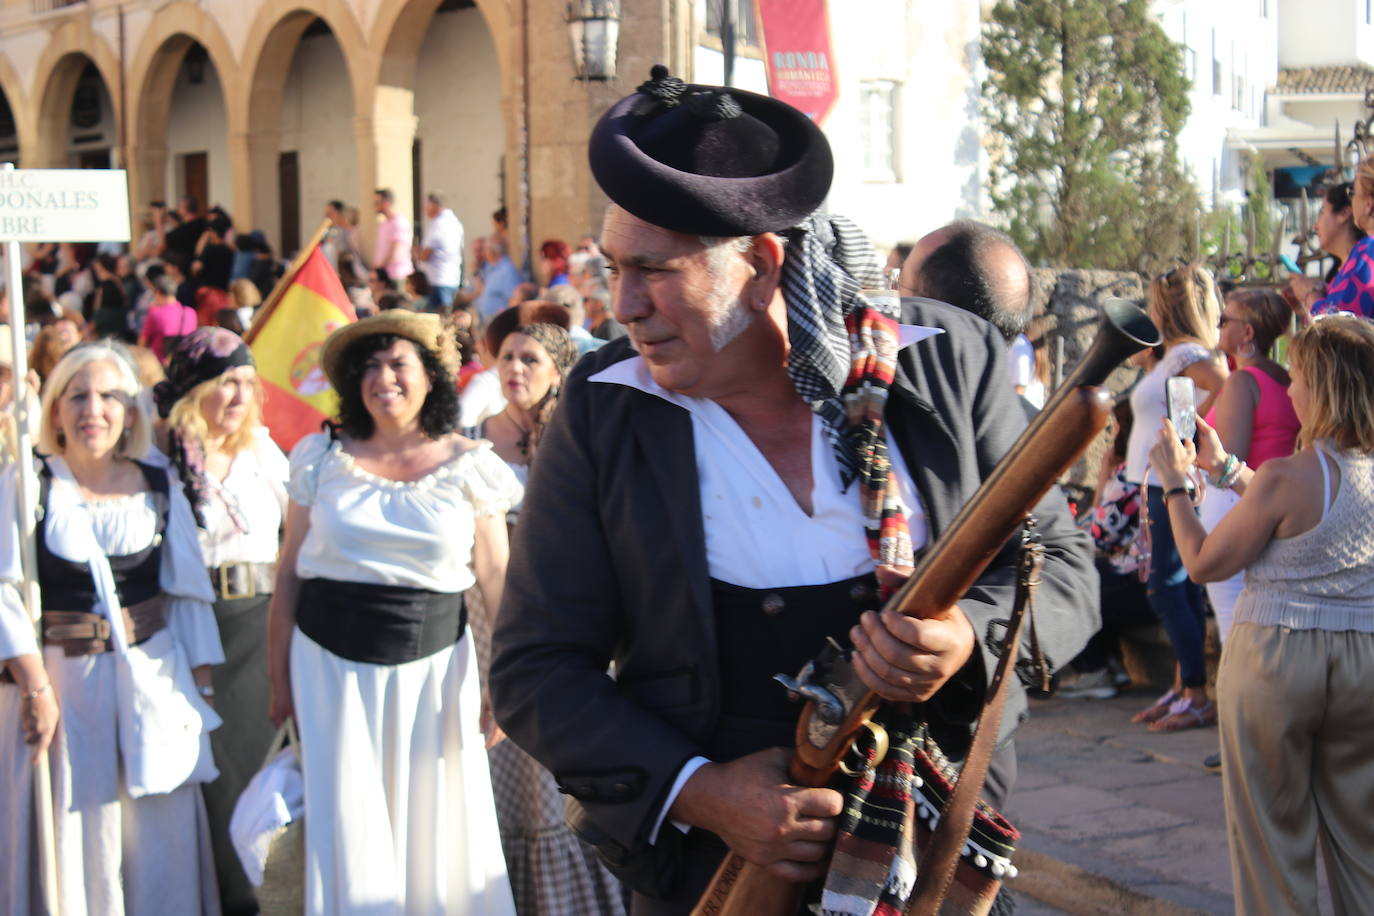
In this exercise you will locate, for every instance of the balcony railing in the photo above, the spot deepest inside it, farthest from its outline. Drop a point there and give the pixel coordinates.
(48, 6)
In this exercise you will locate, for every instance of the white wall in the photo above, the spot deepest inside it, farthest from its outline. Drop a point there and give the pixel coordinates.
(1246, 44)
(198, 123)
(461, 132)
(1321, 32)
(317, 122)
(930, 50)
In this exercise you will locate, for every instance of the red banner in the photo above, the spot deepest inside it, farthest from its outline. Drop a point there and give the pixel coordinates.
(797, 51)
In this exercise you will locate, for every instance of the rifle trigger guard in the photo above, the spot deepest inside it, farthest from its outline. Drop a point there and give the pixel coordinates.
(880, 746)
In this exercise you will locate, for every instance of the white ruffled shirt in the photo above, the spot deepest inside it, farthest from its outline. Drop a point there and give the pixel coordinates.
(163, 724)
(367, 528)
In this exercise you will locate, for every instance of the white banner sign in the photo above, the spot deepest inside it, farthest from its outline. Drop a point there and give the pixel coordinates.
(64, 205)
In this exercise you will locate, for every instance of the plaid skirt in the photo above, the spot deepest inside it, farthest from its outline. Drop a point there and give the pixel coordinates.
(552, 872)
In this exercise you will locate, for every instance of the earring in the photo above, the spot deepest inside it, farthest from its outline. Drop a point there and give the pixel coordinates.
(1249, 351)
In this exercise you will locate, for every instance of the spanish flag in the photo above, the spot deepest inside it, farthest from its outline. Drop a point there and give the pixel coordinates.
(286, 338)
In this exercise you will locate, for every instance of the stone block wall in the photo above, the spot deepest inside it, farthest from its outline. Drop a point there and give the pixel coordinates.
(1073, 300)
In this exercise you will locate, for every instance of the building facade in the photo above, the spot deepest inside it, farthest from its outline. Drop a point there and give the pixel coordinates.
(273, 109)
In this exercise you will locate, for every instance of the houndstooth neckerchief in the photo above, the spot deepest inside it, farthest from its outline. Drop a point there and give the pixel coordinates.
(829, 259)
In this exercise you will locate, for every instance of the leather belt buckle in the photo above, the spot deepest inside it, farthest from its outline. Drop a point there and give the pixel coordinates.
(236, 581)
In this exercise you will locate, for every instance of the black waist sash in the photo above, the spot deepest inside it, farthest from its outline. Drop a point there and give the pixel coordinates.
(379, 624)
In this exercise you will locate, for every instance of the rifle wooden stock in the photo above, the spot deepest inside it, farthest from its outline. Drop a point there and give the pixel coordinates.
(1048, 447)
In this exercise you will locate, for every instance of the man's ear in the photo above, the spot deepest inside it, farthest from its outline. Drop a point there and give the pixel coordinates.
(764, 258)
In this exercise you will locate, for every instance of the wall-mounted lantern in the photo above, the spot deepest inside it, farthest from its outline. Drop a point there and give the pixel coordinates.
(594, 27)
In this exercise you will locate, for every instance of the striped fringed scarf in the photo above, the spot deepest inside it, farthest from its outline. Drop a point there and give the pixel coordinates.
(873, 869)
(873, 345)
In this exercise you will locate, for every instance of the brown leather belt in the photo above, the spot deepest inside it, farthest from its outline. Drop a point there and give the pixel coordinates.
(233, 581)
(84, 633)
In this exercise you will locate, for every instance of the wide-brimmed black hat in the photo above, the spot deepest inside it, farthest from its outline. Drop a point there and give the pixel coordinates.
(707, 160)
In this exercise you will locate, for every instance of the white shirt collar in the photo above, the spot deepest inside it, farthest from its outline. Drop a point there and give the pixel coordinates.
(634, 372)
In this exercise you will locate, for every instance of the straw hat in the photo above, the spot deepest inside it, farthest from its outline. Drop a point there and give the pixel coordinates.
(424, 330)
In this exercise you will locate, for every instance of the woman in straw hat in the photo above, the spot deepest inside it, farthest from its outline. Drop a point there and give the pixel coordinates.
(392, 517)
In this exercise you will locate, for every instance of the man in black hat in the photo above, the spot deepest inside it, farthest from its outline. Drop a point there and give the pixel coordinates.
(732, 485)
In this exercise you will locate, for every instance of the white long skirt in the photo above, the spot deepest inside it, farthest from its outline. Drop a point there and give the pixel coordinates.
(399, 816)
(116, 855)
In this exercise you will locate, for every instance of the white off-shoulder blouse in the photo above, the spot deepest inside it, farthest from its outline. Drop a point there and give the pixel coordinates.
(417, 534)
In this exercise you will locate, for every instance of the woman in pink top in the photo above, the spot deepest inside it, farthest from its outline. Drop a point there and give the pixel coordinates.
(168, 320)
(1253, 415)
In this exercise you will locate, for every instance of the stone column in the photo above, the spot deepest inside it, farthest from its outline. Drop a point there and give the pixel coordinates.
(147, 176)
(384, 142)
(253, 164)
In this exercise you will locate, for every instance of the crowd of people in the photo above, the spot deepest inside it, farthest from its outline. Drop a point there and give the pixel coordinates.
(524, 595)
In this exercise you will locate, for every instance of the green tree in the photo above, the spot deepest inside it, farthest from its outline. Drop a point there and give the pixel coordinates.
(1083, 101)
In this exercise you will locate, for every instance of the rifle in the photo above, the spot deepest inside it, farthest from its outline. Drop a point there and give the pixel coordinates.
(838, 705)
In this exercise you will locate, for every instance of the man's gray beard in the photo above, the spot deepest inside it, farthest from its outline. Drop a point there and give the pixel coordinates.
(728, 323)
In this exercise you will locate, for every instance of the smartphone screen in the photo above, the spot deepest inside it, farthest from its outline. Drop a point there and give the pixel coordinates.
(1182, 405)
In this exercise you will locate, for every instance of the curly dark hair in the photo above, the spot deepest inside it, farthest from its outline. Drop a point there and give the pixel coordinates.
(439, 413)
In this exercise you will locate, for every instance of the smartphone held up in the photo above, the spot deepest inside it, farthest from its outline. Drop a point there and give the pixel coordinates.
(1180, 396)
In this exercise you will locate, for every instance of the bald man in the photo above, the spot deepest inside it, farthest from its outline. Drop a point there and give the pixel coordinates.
(974, 267)
(980, 270)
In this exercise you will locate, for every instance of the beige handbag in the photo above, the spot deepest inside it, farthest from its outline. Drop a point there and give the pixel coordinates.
(283, 875)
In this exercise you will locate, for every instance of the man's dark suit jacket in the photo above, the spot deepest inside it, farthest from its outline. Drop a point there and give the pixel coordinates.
(608, 566)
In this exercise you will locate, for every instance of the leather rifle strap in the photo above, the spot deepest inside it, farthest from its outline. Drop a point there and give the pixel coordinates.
(935, 873)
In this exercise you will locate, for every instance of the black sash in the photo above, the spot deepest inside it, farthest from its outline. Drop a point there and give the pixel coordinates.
(379, 624)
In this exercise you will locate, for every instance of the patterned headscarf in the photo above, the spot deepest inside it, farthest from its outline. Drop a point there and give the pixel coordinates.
(556, 343)
(829, 259)
(563, 352)
(204, 354)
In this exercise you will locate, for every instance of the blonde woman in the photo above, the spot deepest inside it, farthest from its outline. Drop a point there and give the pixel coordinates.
(119, 693)
(1295, 693)
(234, 477)
(1183, 305)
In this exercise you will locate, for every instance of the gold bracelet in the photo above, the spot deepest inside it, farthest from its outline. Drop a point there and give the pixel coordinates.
(35, 694)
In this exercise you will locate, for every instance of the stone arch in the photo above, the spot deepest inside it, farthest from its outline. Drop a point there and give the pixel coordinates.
(13, 89)
(390, 105)
(403, 23)
(59, 69)
(153, 73)
(271, 44)
(267, 61)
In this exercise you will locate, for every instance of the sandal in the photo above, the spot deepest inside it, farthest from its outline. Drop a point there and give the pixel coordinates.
(1158, 709)
(1184, 715)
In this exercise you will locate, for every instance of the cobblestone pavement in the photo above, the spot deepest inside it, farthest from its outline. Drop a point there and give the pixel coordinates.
(1117, 819)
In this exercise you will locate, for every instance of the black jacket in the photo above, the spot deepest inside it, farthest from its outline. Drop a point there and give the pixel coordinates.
(609, 567)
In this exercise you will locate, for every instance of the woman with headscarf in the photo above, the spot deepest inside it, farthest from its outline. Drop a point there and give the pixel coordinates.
(392, 517)
(234, 477)
(119, 693)
(533, 354)
(552, 873)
